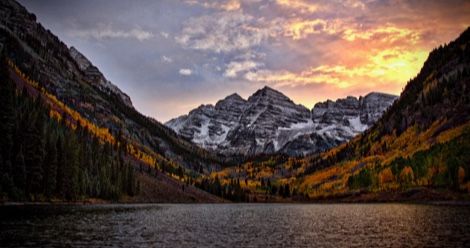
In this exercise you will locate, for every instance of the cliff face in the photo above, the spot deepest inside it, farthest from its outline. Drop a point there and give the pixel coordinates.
(420, 142)
(270, 122)
(68, 75)
(93, 75)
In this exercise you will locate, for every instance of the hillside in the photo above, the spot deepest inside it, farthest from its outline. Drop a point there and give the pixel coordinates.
(47, 156)
(65, 73)
(421, 141)
(57, 106)
(74, 97)
(418, 150)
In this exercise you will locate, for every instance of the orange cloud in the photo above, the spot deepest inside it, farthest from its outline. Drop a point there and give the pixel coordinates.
(387, 33)
(301, 5)
(300, 29)
(332, 49)
(389, 66)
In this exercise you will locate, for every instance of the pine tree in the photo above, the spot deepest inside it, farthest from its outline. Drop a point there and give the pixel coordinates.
(180, 172)
(61, 164)
(7, 113)
(50, 168)
(71, 168)
(48, 157)
(19, 171)
(286, 191)
(34, 153)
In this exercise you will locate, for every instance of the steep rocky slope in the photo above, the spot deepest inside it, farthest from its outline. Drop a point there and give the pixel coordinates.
(417, 151)
(93, 74)
(421, 141)
(68, 75)
(269, 122)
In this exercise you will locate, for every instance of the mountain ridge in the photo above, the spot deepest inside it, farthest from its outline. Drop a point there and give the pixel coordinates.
(235, 125)
(421, 141)
(93, 74)
(417, 151)
(69, 76)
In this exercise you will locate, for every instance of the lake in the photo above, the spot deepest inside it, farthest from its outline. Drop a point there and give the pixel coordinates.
(236, 225)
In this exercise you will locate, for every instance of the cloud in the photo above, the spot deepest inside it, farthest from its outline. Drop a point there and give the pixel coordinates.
(165, 34)
(349, 31)
(306, 7)
(288, 78)
(389, 66)
(387, 33)
(234, 67)
(300, 29)
(167, 59)
(222, 32)
(302, 5)
(320, 48)
(354, 4)
(185, 72)
(103, 32)
(228, 5)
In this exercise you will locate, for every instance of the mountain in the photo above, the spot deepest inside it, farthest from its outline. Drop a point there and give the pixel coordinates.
(418, 149)
(68, 75)
(269, 122)
(76, 95)
(93, 74)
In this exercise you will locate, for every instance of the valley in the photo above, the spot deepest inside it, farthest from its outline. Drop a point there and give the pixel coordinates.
(70, 135)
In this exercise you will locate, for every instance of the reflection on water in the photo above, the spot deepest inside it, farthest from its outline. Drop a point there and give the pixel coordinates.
(231, 225)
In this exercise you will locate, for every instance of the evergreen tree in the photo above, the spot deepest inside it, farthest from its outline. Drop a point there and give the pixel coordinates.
(19, 171)
(7, 113)
(50, 168)
(34, 153)
(286, 190)
(71, 168)
(281, 191)
(47, 157)
(61, 164)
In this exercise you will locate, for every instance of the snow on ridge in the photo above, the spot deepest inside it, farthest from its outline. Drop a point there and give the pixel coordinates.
(268, 122)
(357, 125)
(203, 135)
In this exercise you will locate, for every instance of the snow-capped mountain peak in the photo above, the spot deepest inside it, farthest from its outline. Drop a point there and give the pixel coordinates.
(268, 122)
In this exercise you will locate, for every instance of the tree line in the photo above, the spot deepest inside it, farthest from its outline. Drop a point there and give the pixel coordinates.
(42, 158)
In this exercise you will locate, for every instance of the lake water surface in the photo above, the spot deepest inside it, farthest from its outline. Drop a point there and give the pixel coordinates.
(236, 225)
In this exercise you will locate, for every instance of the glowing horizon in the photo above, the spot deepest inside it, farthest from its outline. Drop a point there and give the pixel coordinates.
(172, 56)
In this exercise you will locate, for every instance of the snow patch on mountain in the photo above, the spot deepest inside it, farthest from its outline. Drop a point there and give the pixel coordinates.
(270, 122)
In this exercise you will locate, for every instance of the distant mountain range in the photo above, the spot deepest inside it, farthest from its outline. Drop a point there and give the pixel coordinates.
(418, 150)
(64, 110)
(270, 122)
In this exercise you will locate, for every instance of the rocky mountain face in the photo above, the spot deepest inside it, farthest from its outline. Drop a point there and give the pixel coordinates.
(41, 43)
(419, 144)
(269, 122)
(69, 76)
(94, 75)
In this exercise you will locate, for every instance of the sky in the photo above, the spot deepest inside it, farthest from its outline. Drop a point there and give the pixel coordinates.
(171, 56)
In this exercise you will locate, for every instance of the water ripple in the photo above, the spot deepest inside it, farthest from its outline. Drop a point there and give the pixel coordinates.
(236, 225)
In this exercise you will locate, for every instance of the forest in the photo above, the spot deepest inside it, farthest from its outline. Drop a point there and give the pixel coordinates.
(43, 158)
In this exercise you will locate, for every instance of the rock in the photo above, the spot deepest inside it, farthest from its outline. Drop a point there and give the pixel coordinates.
(94, 75)
(270, 122)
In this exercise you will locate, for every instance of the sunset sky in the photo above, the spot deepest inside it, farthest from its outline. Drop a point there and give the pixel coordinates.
(170, 56)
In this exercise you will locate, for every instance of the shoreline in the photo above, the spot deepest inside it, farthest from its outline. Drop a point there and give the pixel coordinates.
(428, 196)
(319, 202)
